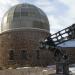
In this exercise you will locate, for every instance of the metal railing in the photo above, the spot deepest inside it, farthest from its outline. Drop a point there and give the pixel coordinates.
(64, 35)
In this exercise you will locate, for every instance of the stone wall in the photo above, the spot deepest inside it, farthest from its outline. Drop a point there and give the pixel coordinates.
(71, 54)
(28, 71)
(27, 40)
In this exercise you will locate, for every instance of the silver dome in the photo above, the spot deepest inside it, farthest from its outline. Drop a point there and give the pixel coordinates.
(24, 16)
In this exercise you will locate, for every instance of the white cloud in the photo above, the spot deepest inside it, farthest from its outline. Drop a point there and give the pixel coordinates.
(60, 21)
(42, 2)
(45, 5)
(68, 2)
(10, 2)
(54, 24)
(71, 5)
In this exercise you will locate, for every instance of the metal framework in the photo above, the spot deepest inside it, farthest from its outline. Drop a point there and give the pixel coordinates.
(52, 42)
(64, 35)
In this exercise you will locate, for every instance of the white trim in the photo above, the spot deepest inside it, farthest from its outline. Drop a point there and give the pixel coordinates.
(26, 28)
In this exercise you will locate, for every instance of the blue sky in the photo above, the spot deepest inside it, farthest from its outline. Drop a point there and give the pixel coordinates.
(61, 13)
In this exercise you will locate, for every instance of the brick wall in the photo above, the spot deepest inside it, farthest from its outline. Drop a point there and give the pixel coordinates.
(27, 40)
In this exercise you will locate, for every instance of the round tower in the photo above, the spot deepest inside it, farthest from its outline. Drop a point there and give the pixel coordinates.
(23, 27)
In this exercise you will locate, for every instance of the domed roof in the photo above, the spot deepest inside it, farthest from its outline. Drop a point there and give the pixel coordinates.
(24, 16)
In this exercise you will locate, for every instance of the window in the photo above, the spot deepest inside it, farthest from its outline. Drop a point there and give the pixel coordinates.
(38, 24)
(16, 14)
(24, 55)
(24, 12)
(37, 54)
(11, 55)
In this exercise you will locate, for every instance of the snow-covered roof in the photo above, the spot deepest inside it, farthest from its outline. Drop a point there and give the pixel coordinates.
(70, 43)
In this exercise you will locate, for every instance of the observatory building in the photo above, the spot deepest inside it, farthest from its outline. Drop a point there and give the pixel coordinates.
(23, 27)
